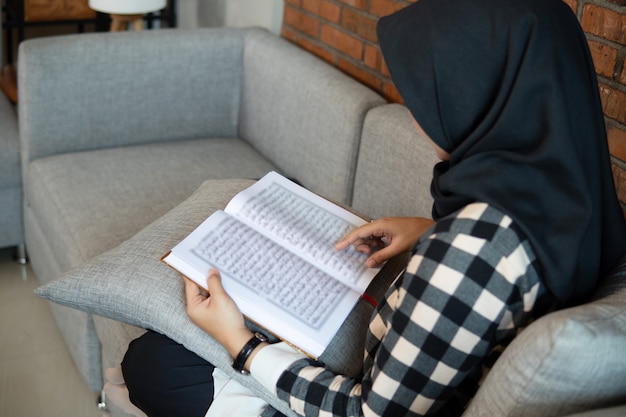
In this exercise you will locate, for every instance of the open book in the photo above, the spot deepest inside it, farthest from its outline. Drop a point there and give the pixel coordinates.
(274, 247)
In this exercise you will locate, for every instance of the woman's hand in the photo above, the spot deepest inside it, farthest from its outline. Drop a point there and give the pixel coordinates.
(216, 313)
(401, 234)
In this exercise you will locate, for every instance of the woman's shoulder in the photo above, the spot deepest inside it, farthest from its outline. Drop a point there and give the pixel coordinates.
(478, 230)
(480, 221)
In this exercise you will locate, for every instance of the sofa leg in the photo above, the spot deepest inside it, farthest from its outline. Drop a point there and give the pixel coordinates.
(20, 254)
(102, 401)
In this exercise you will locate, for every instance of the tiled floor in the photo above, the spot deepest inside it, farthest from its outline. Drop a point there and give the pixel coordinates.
(37, 376)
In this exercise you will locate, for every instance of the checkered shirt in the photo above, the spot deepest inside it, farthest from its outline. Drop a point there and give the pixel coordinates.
(471, 283)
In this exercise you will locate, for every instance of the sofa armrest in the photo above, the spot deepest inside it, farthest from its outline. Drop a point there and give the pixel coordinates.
(10, 175)
(11, 232)
(565, 362)
(91, 91)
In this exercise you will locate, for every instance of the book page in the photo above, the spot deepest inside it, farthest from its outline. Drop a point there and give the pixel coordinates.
(267, 282)
(304, 223)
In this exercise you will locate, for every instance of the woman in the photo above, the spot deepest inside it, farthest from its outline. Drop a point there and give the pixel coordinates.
(525, 208)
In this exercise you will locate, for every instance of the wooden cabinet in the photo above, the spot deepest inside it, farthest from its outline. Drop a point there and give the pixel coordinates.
(51, 10)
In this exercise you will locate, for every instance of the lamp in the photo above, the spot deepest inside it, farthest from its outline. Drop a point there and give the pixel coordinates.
(126, 11)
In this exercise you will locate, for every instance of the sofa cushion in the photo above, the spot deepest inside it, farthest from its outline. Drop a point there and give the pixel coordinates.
(115, 89)
(92, 201)
(130, 284)
(117, 336)
(566, 362)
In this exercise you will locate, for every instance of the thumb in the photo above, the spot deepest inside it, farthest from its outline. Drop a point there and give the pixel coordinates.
(382, 255)
(214, 283)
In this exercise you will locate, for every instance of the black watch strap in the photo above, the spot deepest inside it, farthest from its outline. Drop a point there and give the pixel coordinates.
(246, 350)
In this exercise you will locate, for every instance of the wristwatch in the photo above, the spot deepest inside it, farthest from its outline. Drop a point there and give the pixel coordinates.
(246, 350)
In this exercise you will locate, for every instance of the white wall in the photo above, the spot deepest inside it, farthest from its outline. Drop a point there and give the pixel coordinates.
(232, 13)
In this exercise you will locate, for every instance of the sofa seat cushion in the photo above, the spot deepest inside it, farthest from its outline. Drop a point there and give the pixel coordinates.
(115, 336)
(566, 362)
(89, 202)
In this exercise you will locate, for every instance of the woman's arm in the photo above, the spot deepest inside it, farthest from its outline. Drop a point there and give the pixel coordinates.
(468, 286)
(431, 332)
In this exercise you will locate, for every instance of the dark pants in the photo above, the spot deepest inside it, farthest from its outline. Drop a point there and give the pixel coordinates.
(165, 379)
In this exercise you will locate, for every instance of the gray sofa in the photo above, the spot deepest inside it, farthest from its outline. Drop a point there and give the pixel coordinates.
(129, 140)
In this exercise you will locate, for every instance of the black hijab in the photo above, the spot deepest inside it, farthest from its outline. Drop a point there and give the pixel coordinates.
(508, 88)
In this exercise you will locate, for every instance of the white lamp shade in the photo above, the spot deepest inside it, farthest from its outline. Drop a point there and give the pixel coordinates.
(127, 6)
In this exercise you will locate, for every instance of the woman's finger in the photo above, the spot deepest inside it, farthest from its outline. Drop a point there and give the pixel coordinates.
(358, 236)
(194, 294)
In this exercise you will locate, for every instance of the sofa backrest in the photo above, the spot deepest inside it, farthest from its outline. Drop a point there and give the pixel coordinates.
(303, 114)
(112, 89)
(394, 167)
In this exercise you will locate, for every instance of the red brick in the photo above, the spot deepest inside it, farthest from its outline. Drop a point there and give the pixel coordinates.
(342, 41)
(617, 143)
(390, 92)
(318, 49)
(386, 7)
(622, 77)
(330, 28)
(605, 23)
(310, 6)
(358, 4)
(373, 58)
(360, 24)
(289, 34)
(604, 58)
(360, 74)
(324, 9)
(385, 69)
(619, 175)
(613, 103)
(302, 22)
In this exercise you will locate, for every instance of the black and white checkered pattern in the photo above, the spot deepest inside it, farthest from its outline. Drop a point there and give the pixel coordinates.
(469, 286)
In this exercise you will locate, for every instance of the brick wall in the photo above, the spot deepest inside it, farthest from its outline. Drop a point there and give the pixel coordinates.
(343, 32)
